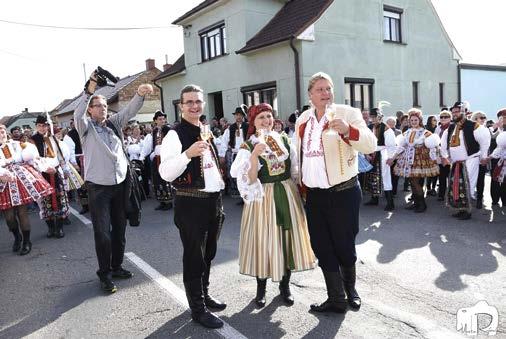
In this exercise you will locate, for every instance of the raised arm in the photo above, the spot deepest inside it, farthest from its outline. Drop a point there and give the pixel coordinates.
(129, 111)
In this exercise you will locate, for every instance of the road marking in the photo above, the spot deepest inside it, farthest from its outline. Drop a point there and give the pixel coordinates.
(83, 219)
(175, 292)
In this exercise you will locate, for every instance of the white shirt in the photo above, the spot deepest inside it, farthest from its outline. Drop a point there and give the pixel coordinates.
(72, 148)
(459, 153)
(174, 161)
(225, 139)
(313, 161)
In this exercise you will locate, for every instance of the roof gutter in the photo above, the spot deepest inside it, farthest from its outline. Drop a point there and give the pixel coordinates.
(161, 95)
(297, 72)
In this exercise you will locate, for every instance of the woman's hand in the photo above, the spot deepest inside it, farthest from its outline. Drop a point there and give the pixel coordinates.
(259, 149)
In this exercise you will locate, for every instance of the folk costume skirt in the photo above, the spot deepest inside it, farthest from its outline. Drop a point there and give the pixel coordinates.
(267, 250)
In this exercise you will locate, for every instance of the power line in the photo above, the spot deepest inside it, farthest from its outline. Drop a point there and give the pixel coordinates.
(87, 28)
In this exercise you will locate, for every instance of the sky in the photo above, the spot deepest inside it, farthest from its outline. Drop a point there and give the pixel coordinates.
(40, 67)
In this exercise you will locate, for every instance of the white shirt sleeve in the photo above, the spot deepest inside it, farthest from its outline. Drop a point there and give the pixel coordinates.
(444, 144)
(147, 145)
(390, 142)
(239, 169)
(72, 148)
(225, 138)
(483, 137)
(173, 160)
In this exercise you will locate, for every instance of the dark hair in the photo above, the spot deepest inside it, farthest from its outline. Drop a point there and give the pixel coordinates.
(190, 88)
(15, 128)
(202, 118)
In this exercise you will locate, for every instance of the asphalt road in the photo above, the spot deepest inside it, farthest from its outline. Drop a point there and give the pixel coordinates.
(415, 271)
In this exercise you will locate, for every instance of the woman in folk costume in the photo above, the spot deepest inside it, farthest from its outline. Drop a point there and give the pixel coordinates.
(416, 157)
(499, 172)
(274, 236)
(68, 163)
(20, 184)
(55, 207)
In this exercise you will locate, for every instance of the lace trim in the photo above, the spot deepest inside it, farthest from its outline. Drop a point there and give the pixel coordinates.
(249, 192)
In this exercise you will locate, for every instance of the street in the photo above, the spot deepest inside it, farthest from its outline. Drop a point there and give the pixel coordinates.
(415, 271)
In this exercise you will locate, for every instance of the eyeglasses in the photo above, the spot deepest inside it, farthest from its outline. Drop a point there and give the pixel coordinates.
(99, 105)
(190, 103)
(444, 117)
(321, 90)
(483, 118)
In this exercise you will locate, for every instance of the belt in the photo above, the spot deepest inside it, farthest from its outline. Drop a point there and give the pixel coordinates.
(339, 187)
(195, 193)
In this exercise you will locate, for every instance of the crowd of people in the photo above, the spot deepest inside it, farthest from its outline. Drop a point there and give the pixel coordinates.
(300, 181)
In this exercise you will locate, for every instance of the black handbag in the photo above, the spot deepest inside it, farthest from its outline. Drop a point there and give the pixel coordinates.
(135, 192)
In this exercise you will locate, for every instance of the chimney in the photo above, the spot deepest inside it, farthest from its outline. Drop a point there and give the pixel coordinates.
(167, 66)
(25, 110)
(150, 64)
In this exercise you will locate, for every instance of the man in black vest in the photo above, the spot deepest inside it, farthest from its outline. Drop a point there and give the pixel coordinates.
(231, 141)
(81, 192)
(189, 161)
(379, 178)
(162, 189)
(465, 145)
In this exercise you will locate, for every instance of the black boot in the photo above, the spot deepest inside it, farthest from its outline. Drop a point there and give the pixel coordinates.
(390, 201)
(84, 209)
(261, 287)
(58, 233)
(335, 302)
(413, 204)
(16, 245)
(27, 244)
(374, 201)
(349, 275)
(284, 288)
(422, 206)
(208, 299)
(51, 230)
(198, 309)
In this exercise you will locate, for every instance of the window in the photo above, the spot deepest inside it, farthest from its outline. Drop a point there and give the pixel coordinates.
(441, 94)
(416, 99)
(359, 93)
(261, 93)
(213, 41)
(177, 110)
(392, 24)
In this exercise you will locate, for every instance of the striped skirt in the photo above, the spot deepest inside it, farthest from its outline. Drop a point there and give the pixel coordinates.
(265, 249)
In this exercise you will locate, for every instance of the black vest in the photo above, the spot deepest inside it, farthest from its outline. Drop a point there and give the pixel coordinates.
(233, 128)
(380, 133)
(472, 146)
(75, 137)
(193, 175)
(38, 140)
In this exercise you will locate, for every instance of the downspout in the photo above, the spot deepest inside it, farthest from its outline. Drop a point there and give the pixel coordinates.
(161, 95)
(297, 72)
(459, 82)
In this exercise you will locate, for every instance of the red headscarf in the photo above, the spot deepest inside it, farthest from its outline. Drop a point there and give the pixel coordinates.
(253, 111)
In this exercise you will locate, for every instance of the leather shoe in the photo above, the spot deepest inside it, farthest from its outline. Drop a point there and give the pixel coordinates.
(27, 247)
(479, 204)
(16, 245)
(329, 306)
(107, 285)
(207, 319)
(214, 303)
(122, 273)
(464, 216)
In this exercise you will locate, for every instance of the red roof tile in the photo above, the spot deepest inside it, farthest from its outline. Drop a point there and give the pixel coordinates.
(291, 20)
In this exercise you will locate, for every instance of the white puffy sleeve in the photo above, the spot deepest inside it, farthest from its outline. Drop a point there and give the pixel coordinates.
(390, 142)
(483, 137)
(401, 144)
(294, 164)
(239, 170)
(500, 150)
(173, 159)
(432, 141)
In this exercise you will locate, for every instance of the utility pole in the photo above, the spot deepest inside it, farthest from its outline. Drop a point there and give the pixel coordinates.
(84, 69)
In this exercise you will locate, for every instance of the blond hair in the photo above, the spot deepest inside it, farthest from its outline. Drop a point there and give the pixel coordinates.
(319, 76)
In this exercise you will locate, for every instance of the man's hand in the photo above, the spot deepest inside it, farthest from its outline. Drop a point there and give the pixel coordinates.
(445, 161)
(339, 125)
(483, 161)
(144, 89)
(197, 149)
(91, 84)
(390, 162)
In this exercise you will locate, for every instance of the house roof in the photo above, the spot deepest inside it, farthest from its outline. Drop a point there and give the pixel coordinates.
(110, 92)
(10, 120)
(177, 67)
(290, 21)
(194, 10)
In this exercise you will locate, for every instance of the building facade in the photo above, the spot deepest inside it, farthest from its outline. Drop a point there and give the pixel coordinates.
(248, 51)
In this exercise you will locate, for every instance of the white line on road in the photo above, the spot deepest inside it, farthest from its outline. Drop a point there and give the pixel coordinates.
(83, 219)
(175, 292)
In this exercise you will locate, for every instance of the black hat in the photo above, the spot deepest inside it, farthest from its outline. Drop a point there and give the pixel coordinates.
(41, 119)
(459, 104)
(15, 128)
(240, 110)
(375, 112)
(159, 114)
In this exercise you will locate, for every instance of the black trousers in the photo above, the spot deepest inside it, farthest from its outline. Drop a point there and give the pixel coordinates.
(480, 184)
(199, 221)
(497, 191)
(333, 219)
(107, 210)
(444, 171)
